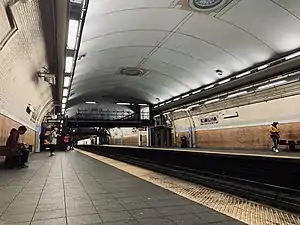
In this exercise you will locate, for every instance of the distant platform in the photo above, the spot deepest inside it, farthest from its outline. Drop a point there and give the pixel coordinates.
(284, 154)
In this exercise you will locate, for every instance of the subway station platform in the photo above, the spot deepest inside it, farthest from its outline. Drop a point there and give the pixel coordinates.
(72, 188)
(283, 154)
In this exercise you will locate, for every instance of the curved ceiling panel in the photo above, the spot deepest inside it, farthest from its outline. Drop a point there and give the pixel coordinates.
(141, 19)
(257, 16)
(180, 48)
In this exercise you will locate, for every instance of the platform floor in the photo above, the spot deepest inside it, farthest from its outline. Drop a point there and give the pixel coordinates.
(286, 154)
(72, 188)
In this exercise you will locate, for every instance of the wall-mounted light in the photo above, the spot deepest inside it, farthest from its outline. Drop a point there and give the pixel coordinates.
(229, 116)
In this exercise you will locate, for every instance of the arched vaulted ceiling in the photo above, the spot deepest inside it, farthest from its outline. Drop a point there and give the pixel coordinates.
(180, 47)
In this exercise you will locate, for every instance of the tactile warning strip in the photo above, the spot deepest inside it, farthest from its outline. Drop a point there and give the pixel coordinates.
(238, 208)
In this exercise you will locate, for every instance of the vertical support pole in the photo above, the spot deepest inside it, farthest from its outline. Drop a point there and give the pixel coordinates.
(193, 129)
(148, 136)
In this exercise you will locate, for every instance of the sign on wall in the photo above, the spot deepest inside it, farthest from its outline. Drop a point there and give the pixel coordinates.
(214, 119)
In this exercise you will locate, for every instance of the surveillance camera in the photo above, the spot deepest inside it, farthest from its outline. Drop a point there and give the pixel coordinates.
(219, 72)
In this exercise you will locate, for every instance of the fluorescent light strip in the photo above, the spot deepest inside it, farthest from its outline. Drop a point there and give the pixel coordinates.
(65, 92)
(64, 100)
(69, 64)
(294, 55)
(209, 87)
(184, 96)
(72, 35)
(243, 74)
(143, 104)
(237, 94)
(176, 99)
(198, 91)
(263, 67)
(161, 104)
(272, 84)
(212, 101)
(168, 102)
(123, 103)
(90, 102)
(224, 81)
(67, 81)
(155, 107)
(63, 106)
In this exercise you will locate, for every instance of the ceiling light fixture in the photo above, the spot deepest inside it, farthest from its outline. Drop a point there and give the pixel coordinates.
(209, 87)
(65, 92)
(243, 74)
(67, 81)
(184, 96)
(224, 81)
(176, 99)
(63, 106)
(72, 35)
(212, 101)
(88, 102)
(123, 103)
(237, 94)
(142, 104)
(262, 67)
(291, 56)
(64, 100)
(196, 92)
(69, 64)
(272, 85)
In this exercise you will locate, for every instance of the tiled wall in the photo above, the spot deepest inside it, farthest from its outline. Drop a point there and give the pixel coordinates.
(6, 124)
(22, 56)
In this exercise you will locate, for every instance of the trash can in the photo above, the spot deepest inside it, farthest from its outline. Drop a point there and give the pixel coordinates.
(183, 141)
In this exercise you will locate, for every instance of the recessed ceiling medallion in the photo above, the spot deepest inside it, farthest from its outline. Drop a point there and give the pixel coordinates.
(206, 5)
(133, 71)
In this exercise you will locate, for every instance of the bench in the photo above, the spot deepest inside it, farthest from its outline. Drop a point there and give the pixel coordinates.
(5, 155)
(289, 145)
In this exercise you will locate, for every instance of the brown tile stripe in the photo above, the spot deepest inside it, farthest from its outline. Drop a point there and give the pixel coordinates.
(240, 209)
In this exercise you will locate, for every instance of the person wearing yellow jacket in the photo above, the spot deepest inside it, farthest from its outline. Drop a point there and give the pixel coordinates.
(275, 135)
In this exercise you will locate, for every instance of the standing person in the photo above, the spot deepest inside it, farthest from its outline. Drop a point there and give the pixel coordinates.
(66, 141)
(53, 137)
(275, 135)
(13, 145)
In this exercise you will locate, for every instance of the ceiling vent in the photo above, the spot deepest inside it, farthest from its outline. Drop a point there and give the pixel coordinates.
(133, 72)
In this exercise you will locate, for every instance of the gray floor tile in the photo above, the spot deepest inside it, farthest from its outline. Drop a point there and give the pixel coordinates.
(16, 218)
(156, 221)
(84, 219)
(81, 211)
(49, 214)
(57, 221)
(127, 222)
(172, 210)
(145, 213)
(115, 216)
(187, 219)
(135, 205)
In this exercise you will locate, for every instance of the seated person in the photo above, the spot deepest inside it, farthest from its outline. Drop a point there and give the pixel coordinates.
(14, 149)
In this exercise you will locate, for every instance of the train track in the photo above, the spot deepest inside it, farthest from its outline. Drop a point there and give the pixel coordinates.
(284, 198)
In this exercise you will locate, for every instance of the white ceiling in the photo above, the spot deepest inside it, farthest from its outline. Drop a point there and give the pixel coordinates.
(181, 48)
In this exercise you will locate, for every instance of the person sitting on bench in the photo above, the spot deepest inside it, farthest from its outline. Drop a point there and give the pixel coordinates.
(15, 149)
